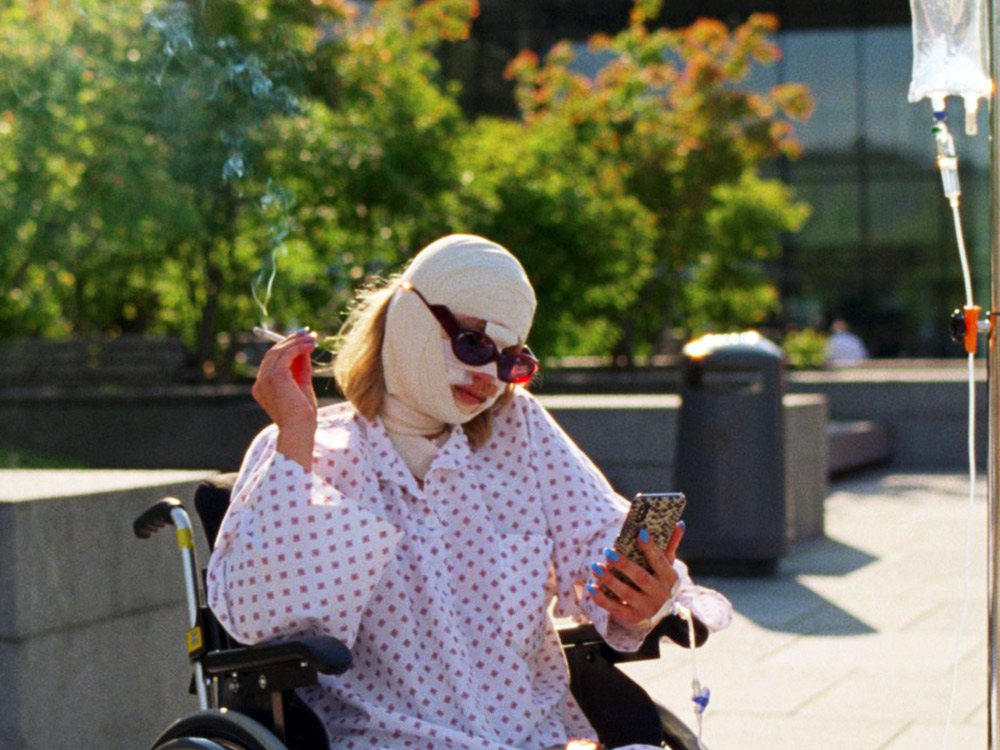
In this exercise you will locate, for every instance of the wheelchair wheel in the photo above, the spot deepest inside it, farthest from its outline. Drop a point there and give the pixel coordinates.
(676, 734)
(213, 729)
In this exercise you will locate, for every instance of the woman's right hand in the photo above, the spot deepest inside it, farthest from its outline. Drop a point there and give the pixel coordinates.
(284, 389)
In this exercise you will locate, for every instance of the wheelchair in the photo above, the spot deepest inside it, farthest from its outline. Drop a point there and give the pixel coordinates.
(247, 694)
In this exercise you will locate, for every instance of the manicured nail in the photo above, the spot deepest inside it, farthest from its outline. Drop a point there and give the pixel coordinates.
(302, 330)
(643, 536)
(682, 525)
(611, 555)
(591, 589)
(597, 569)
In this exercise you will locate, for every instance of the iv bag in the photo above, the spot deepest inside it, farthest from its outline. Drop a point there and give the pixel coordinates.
(950, 54)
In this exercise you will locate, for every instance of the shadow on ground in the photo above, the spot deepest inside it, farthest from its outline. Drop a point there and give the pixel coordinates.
(781, 603)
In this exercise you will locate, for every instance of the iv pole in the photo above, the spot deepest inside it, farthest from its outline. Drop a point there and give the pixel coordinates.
(993, 385)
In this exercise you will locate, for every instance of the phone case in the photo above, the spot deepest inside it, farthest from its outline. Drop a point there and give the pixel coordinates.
(658, 514)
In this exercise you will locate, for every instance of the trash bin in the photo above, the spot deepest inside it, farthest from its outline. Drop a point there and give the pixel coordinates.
(730, 453)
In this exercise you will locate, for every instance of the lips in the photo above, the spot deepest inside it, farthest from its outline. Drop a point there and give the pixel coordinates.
(467, 395)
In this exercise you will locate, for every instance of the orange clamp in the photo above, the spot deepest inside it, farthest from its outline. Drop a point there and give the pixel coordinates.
(971, 328)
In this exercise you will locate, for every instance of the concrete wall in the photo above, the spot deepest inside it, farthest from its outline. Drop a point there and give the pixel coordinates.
(922, 404)
(92, 651)
(140, 428)
(925, 410)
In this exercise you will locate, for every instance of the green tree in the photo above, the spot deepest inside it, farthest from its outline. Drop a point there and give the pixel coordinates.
(671, 115)
(585, 241)
(155, 159)
(191, 167)
(84, 190)
(372, 160)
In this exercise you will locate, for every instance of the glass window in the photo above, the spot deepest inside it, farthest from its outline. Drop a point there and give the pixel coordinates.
(827, 62)
(835, 220)
(904, 212)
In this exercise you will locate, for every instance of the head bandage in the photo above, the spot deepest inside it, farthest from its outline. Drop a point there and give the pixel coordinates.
(471, 276)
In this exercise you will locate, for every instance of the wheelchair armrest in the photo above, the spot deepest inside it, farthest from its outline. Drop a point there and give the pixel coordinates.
(673, 627)
(676, 629)
(273, 667)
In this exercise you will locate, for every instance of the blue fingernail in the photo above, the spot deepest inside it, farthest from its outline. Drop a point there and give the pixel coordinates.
(591, 589)
(611, 555)
(598, 570)
(644, 536)
(302, 330)
(682, 525)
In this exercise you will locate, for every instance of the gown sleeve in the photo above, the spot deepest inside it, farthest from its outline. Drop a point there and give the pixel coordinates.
(294, 556)
(584, 515)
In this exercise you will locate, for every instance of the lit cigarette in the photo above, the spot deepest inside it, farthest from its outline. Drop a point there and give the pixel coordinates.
(266, 333)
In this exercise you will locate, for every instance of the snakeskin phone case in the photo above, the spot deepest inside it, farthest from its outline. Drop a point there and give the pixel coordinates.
(658, 514)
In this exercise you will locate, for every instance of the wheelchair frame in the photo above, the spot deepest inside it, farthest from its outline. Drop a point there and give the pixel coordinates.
(246, 694)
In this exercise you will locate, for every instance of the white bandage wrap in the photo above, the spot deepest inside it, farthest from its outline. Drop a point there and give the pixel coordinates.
(471, 276)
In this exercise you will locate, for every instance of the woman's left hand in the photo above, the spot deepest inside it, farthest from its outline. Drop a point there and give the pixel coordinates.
(645, 593)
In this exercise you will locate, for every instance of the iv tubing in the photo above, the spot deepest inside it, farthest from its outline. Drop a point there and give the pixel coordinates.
(971, 358)
(696, 686)
(963, 257)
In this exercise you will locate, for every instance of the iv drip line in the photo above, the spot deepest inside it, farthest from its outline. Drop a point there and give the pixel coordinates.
(699, 694)
(947, 162)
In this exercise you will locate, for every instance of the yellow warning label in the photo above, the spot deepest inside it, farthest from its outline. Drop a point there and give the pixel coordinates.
(185, 540)
(194, 639)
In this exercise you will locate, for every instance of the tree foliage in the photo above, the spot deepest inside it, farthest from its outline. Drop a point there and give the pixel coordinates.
(669, 115)
(193, 167)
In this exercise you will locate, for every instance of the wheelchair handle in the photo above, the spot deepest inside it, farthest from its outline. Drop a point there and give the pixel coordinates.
(156, 516)
(171, 512)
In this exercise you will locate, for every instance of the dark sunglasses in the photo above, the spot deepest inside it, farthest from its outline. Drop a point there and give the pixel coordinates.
(515, 364)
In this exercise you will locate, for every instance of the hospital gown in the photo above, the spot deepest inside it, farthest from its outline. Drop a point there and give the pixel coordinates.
(442, 591)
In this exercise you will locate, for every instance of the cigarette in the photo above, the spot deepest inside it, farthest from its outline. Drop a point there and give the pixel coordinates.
(266, 333)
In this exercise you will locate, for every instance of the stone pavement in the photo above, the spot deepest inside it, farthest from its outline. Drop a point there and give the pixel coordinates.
(852, 645)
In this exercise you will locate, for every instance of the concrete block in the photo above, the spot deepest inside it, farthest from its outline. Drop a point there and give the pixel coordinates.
(92, 647)
(632, 439)
(72, 558)
(925, 411)
(857, 444)
(806, 459)
(113, 684)
(168, 428)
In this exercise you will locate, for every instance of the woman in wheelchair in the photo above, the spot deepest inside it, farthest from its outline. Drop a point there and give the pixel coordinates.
(430, 520)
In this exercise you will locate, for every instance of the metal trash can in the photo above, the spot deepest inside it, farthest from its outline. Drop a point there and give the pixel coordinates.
(730, 453)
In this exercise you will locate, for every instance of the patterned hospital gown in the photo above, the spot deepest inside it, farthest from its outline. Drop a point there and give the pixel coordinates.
(441, 591)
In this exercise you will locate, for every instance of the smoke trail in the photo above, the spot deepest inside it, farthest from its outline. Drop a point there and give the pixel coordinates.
(220, 72)
(276, 205)
(176, 27)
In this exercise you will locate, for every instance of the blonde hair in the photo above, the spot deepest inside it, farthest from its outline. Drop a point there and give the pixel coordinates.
(358, 368)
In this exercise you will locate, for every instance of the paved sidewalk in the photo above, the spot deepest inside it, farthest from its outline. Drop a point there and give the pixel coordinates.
(852, 645)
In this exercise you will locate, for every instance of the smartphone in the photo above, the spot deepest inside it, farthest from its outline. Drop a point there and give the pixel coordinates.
(657, 513)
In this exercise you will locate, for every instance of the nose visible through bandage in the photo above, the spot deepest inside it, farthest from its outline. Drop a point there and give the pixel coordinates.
(460, 373)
